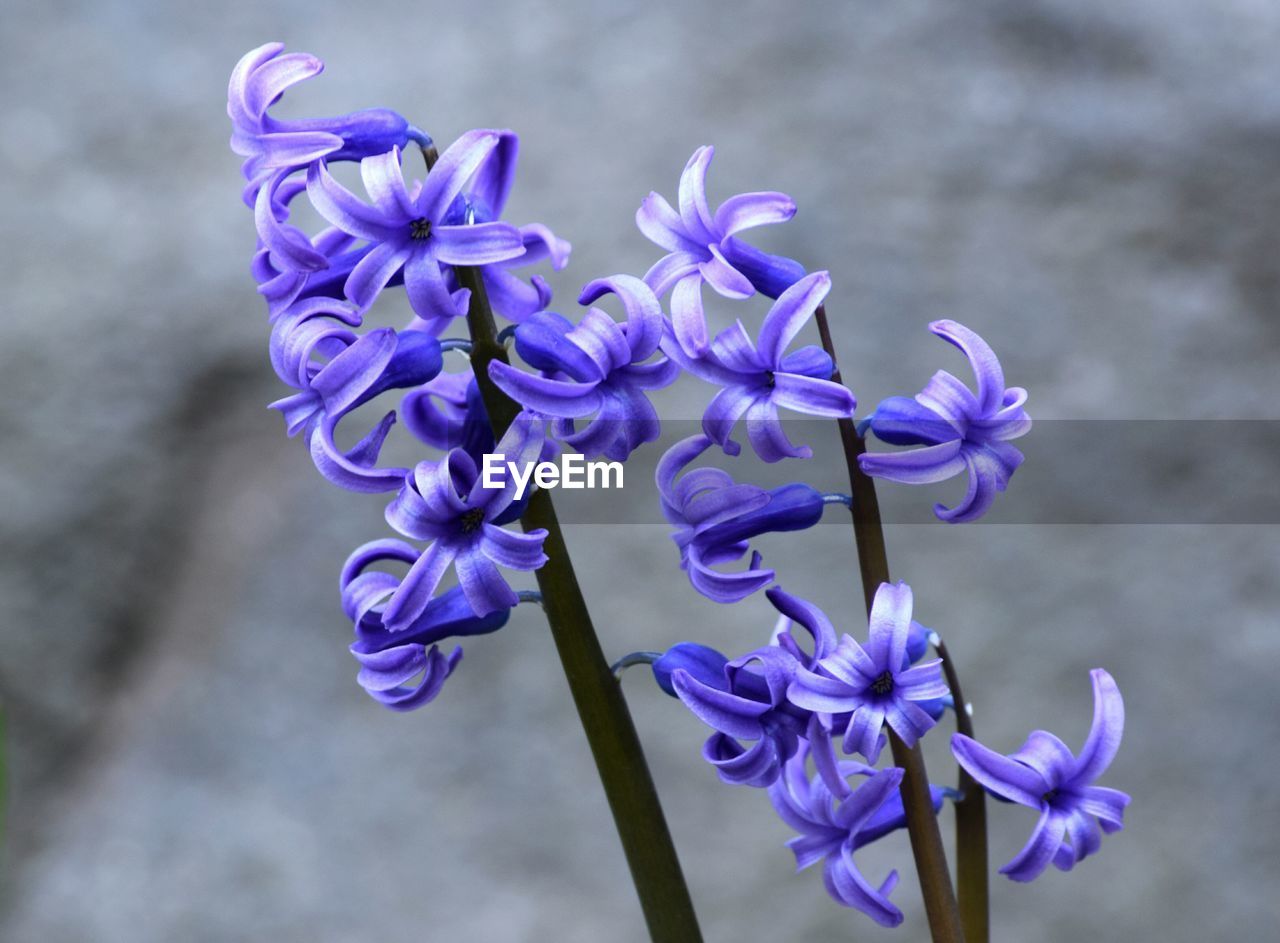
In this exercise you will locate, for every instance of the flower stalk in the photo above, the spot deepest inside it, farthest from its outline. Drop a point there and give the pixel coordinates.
(971, 823)
(606, 720)
(873, 564)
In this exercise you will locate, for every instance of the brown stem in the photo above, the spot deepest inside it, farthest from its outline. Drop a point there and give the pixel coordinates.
(873, 564)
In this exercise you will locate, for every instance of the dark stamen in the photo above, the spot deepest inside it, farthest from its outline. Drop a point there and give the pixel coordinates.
(883, 684)
(420, 228)
(1049, 796)
(472, 520)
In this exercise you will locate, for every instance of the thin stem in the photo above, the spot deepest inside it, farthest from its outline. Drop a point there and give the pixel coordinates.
(835, 497)
(628, 785)
(873, 564)
(972, 874)
(631, 660)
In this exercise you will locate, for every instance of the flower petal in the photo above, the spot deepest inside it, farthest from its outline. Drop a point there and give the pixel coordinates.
(724, 278)
(417, 587)
(790, 313)
(1030, 863)
(1104, 735)
(825, 399)
(694, 212)
(384, 182)
(477, 244)
(748, 210)
(662, 225)
(483, 585)
(343, 209)
(986, 368)
(452, 171)
(1000, 774)
(918, 466)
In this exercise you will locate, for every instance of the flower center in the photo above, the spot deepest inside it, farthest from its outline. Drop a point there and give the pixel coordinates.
(472, 520)
(420, 228)
(1049, 796)
(883, 684)
(770, 380)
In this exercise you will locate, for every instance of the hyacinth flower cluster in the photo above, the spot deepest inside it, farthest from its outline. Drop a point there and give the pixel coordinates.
(825, 716)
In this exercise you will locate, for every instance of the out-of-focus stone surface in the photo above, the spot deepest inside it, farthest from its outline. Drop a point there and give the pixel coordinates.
(1094, 186)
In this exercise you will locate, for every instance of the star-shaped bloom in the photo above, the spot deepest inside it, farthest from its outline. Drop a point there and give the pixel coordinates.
(446, 503)
(702, 247)
(875, 684)
(1045, 776)
(389, 661)
(270, 144)
(758, 377)
(832, 829)
(716, 518)
(596, 370)
(335, 370)
(416, 233)
(961, 431)
(749, 703)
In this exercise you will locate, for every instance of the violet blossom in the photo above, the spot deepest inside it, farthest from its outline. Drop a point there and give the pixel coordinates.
(594, 370)
(1045, 776)
(832, 827)
(716, 518)
(702, 247)
(873, 685)
(416, 232)
(961, 431)
(390, 660)
(758, 377)
(335, 370)
(748, 703)
(446, 503)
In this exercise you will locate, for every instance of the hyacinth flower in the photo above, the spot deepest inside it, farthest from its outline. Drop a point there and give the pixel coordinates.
(414, 232)
(1045, 776)
(748, 702)
(357, 369)
(832, 827)
(872, 685)
(447, 413)
(267, 143)
(961, 431)
(276, 148)
(389, 661)
(595, 370)
(702, 247)
(716, 518)
(758, 378)
(445, 502)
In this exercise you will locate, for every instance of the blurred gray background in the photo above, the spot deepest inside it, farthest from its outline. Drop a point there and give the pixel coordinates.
(1094, 186)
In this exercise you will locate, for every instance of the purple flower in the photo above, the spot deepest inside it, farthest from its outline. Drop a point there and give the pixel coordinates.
(702, 247)
(314, 350)
(1044, 775)
(715, 519)
(446, 503)
(749, 703)
(701, 662)
(416, 233)
(873, 685)
(961, 431)
(448, 413)
(389, 661)
(595, 370)
(757, 378)
(268, 144)
(832, 829)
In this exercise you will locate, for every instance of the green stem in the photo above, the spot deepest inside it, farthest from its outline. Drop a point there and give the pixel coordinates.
(873, 564)
(971, 824)
(646, 840)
